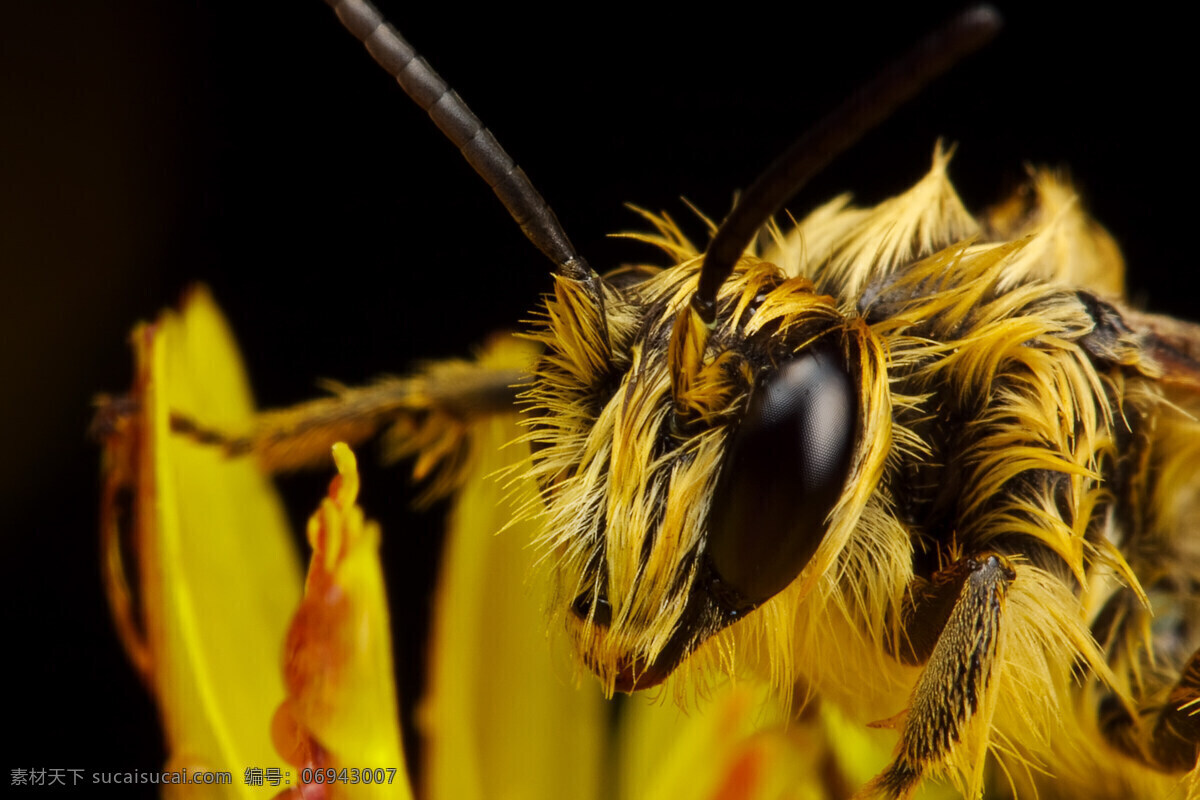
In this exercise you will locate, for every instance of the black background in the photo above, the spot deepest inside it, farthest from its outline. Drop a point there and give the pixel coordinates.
(255, 147)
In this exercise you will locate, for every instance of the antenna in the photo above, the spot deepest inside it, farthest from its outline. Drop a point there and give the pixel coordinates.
(476, 143)
(836, 132)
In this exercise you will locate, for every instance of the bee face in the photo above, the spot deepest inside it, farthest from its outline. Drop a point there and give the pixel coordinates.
(673, 510)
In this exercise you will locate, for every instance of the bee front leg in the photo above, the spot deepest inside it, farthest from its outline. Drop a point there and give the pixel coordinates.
(1173, 744)
(953, 625)
(427, 415)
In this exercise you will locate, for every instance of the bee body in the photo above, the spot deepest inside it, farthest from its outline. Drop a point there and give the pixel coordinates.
(994, 516)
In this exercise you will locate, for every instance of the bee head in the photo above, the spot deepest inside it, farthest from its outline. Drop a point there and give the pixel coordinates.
(691, 472)
(697, 434)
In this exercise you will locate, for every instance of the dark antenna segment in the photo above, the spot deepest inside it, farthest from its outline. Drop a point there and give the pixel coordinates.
(463, 128)
(837, 131)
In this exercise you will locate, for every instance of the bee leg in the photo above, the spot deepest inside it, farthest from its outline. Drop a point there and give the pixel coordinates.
(427, 415)
(960, 657)
(926, 610)
(1174, 742)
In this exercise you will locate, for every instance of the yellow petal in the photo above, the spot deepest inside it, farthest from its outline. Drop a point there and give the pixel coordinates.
(740, 744)
(732, 746)
(502, 718)
(217, 576)
(341, 712)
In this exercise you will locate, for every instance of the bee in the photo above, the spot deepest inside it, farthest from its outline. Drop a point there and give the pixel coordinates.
(920, 457)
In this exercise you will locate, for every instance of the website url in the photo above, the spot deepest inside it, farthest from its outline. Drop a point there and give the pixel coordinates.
(175, 776)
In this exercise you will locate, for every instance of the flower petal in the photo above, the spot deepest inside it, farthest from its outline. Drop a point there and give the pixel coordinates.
(341, 712)
(734, 746)
(216, 573)
(502, 718)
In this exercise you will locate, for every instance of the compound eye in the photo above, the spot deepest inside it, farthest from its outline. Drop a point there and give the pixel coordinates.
(784, 470)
